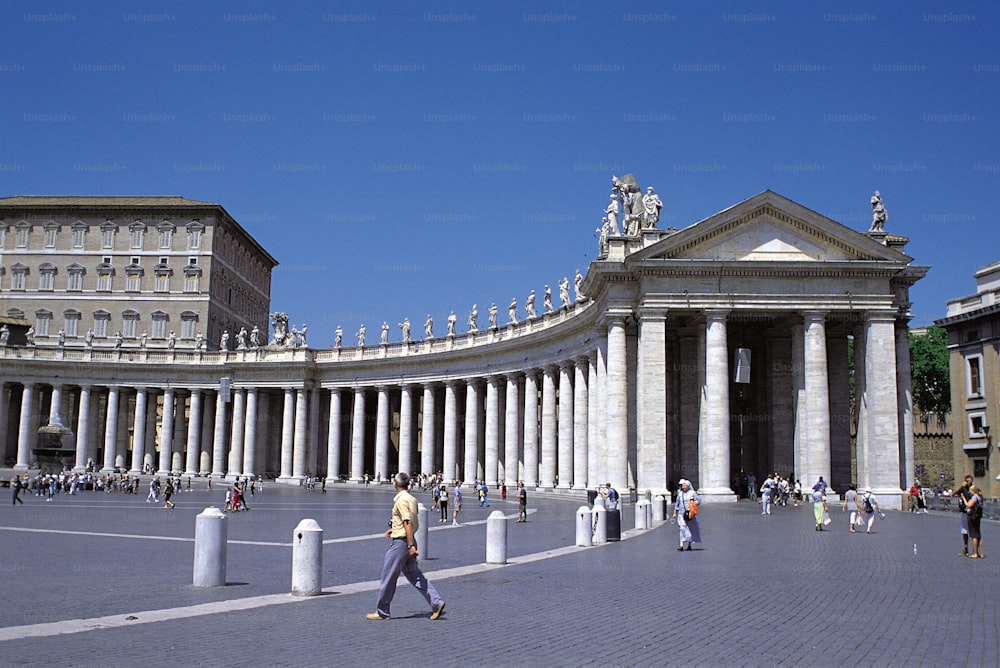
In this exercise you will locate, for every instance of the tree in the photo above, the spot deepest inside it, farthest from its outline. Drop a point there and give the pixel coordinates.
(931, 377)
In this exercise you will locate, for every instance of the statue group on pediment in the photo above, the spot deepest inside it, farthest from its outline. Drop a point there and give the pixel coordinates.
(630, 207)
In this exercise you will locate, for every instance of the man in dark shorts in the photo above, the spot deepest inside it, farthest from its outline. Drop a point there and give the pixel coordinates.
(522, 503)
(963, 495)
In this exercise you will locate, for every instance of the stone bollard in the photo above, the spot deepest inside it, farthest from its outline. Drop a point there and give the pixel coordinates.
(210, 535)
(600, 524)
(584, 528)
(496, 538)
(642, 514)
(307, 559)
(423, 549)
(659, 508)
(649, 514)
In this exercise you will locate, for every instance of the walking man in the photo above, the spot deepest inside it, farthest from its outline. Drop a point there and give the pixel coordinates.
(522, 503)
(458, 503)
(963, 494)
(15, 484)
(401, 557)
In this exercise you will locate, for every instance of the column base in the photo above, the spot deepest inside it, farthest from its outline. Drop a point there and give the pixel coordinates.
(717, 495)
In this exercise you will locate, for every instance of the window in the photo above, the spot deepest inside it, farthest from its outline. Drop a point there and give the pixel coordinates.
(192, 278)
(79, 235)
(72, 326)
(979, 468)
(194, 230)
(974, 380)
(130, 323)
(108, 230)
(23, 234)
(74, 277)
(18, 277)
(51, 231)
(137, 230)
(43, 319)
(101, 320)
(160, 321)
(3, 235)
(46, 276)
(189, 322)
(133, 277)
(105, 273)
(166, 231)
(162, 283)
(976, 422)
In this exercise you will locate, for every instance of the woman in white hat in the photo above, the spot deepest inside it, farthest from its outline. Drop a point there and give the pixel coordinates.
(688, 526)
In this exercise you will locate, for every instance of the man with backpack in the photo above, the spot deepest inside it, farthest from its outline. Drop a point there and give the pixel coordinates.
(611, 497)
(869, 506)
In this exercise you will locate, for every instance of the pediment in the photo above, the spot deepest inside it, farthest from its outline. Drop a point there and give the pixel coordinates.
(769, 228)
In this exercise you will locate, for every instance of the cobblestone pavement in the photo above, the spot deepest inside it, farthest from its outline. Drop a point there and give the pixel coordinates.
(105, 580)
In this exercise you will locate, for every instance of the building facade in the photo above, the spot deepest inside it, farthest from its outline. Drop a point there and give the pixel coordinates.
(130, 265)
(705, 353)
(973, 324)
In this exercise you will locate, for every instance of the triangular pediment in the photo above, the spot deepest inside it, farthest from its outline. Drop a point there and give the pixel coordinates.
(769, 228)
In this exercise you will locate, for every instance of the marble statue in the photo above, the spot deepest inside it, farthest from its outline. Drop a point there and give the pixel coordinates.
(493, 315)
(630, 193)
(280, 323)
(302, 335)
(119, 339)
(604, 231)
(547, 299)
(88, 338)
(474, 320)
(255, 337)
(293, 338)
(241, 339)
(879, 215)
(172, 341)
(224, 341)
(30, 336)
(429, 327)
(405, 326)
(564, 291)
(385, 332)
(199, 341)
(452, 319)
(651, 206)
(612, 212)
(4, 334)
(62, 338)
(577, 282)
(338, 337)
(529, 304)
(361, 337)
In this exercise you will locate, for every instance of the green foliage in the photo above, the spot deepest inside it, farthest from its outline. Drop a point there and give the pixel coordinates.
(931, 378)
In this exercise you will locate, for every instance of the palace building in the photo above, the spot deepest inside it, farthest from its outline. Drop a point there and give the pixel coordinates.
(710, 352)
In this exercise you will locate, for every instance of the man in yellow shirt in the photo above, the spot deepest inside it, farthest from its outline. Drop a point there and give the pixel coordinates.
(401, 557)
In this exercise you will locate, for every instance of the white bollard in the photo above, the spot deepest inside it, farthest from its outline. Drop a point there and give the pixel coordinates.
(584, 528)
(496, 538)
(210, 535)
(659, 508)
(641, 517)
(600, 524)
(649, 515)
(423, 549)
(307, 559)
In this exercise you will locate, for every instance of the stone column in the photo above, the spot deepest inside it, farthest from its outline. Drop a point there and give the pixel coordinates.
(382, 423)
(250, 435)
(26, 429)
(714, 450)
(427, 432)
(617, 405)
(883, 401)
(287, 434)
(167, 431)
(449, 469)
(566, 425)
(799, 437)
(904, 400)
(861, 405)
(82, 429)
(55, 406)
(237, 432)
(4, 399)
(139, 431)
(511, 432)
(530, 429)
(110, 431)
(219, 437)
(406, 448)
(547, 464)
(358, 436)
(299, 446)
(334, 441)
(581, 404)
(471, 468)
(312, 431)
(194, 435)
(652, 400)
(592, 461)
(492, 430)
(207, 434)
(817, 385)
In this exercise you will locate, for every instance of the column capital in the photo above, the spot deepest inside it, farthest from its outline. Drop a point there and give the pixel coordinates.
(887, 315)
(652, 312)
(716, 314)
(814, 315)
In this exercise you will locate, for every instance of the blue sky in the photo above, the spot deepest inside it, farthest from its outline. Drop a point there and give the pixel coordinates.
(405, 159)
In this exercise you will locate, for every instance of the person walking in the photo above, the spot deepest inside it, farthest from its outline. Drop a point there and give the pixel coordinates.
(766, 494)
(870, 507)
(522, 503)
(974, 509)
(458, 504)
(688, 528)
(819, 505)
(154, 490)
(401, 557)
(851, 504)
(168, 491)
(443, 502)
(15, 484)
(962, 494)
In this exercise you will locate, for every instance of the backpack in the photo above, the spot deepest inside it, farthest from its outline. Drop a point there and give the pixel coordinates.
(869, 508)
(976, 511)
(612, 494)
